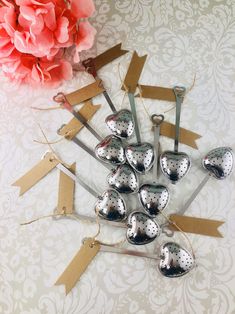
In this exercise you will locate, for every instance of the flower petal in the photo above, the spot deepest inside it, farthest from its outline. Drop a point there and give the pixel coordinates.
(82, 8)
(85, 38)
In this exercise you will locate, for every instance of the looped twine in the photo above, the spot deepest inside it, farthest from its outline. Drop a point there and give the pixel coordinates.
(126, 89)
(59, 97)
(63, 101)
(55, 156)
(171, 222)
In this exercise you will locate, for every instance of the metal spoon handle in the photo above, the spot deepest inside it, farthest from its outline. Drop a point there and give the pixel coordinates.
(183, 210)
(112, 249)
(83, 121)
(179, 94)
(77, 115)
(75, 178)
(109, 101)
(89, 151)
(133, 110)
(156, 130)
(90, 67)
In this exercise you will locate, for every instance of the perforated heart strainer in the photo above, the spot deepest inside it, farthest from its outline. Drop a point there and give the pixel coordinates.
(219, 165)
(174, 164)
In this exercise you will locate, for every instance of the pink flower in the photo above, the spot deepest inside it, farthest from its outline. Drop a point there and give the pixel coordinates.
(34, 35)
(7, 29)
(31, 70)
(82, 8)
(84, 39)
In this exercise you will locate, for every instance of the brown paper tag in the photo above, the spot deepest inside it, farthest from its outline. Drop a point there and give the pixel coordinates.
(66, 192)
(85, 93)
(35, 174)
(186, 137)
(134, 72)
(71, 129)
(78, 265)
(201, 226)
(156, 92)
(108, 56)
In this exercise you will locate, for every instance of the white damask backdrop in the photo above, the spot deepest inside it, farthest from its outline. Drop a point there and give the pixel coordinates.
(181, 38)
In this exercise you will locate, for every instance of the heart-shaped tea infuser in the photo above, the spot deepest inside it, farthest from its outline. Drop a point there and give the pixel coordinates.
(120, 122)
(110, 149)
(123, 179)
(154, 197)
(85, 148)
(174, 164)
(175, 260)
(110, 205)
(142, 229)
(219, 165)
(140, 155)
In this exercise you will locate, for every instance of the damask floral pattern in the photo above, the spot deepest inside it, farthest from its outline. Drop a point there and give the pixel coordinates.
(182, 39)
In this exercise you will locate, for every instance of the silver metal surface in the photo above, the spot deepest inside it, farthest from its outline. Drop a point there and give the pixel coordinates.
(90, 67)
(83, 121)
(174, 165)
(119, 250)
(219, 162)
(109, 101)
(121, 123)
(124, 179)
(111, 206)
(156, 129)
(154, 198)
(142, 229)
(133, 110)
(111, 150)
(179, 94)
(88, 150)
(76, 178)
(140, 157)
(183, 210)
(175, 260)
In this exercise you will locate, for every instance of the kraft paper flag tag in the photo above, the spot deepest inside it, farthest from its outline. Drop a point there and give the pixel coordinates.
(72, 128)
(35, 174)
(105, 57)
(134, 72)
(79, 264)
(207, 227)
(66, 192)
(186, 137)
(157, 92)
(85, 93)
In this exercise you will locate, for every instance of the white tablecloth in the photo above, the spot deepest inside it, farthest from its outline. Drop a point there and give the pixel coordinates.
(181, 38)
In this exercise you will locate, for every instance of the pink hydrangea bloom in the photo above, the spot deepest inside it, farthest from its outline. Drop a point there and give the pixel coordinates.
(34, 35)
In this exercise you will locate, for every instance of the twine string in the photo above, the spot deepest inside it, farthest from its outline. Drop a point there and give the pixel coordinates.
(63, 137)
(55, 156)
(180, 230)
(173, 107)
(122, 84)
